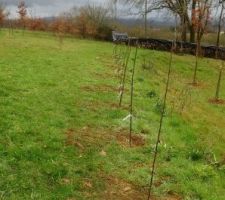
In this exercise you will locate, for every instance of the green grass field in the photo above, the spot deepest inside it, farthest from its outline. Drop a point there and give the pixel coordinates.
(62, 135)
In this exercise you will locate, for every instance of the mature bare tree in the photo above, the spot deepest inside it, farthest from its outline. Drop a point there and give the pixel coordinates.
(187, 11)
(180, 8)
(143, 8)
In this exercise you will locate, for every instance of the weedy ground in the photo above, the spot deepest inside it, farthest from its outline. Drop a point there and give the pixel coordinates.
(62, 134)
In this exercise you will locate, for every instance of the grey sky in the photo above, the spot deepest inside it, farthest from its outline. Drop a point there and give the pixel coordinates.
(46, 8)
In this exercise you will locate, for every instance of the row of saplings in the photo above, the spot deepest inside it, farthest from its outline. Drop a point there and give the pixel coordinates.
(122, 56)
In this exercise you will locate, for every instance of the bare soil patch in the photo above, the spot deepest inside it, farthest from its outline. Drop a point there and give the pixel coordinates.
(172, 196)
(100, 88)
(124, 137)
(118, 189)
(217, 101)
(87, 137)
(199, 85)
(105, 75)
(97, 105)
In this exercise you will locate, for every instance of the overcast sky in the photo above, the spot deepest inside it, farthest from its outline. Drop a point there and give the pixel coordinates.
(46, 8)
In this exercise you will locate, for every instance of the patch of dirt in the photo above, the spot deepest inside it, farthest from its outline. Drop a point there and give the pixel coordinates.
(115, 188)
(199, 85)
(105, 75)
(124, 138)
(100, 88)
(65, 181)
(118, 189)
(96, 105)
(71, 141)
(217, 101)
(172, 196)
(87, 184)
(87, 137)
(116, 105)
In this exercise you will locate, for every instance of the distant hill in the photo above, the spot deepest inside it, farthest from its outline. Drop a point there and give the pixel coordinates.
(153, 22)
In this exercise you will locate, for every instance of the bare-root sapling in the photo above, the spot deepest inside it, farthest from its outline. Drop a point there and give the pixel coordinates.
(132, 95)
(123, 80)
(160, 124)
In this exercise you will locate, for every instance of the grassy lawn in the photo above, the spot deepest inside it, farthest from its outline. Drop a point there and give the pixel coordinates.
(62, 135)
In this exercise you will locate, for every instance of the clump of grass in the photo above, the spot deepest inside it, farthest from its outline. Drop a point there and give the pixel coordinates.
(151, 94)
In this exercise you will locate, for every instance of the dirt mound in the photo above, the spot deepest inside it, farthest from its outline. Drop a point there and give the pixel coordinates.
(124, 138)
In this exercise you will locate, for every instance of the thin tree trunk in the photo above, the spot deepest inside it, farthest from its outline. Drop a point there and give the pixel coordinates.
(196, 63)
(115, 10)
(146, 18)
(124, 75)
(184, 30)
(217, 97)
(219, 31)
(195, 71)
(193, 17)
(131, 95)
(192, 34)
(125, 60)
(160, 125)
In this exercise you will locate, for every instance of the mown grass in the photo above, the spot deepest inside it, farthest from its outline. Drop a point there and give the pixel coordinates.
(59, 124)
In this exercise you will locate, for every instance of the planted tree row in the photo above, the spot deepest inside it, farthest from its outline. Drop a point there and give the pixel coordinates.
(201, 23)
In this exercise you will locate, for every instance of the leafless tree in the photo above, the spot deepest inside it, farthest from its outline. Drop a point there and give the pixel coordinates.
(201, 20)
(222, 5)
(113, 6)
(92, 20)
(161, 122)
(22, 11)
(124, 73)
(3, 14)
(180, 8)
(132, 95)
(187, 11)
(143, 8)
(217, 96)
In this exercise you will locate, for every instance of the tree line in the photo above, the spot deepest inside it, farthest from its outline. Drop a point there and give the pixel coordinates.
(94, 21)
(194, 15)
(89, 21)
